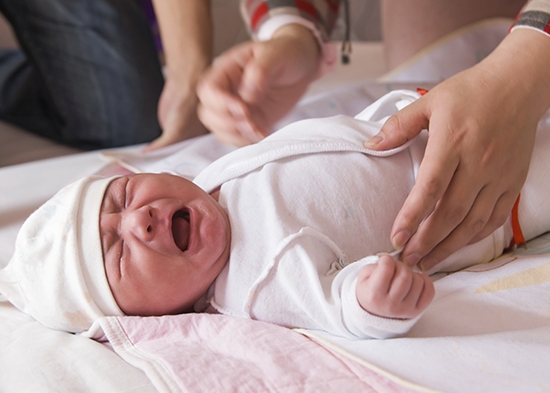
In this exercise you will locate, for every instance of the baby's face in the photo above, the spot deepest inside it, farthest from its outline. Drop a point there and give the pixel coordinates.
(164, 242)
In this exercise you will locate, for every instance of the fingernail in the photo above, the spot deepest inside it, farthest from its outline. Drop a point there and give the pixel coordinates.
(400, 239)
(412, 260)
(374, 141)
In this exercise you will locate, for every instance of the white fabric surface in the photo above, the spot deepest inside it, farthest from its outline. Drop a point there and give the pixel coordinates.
(309, 196)
(488, 330)
(56, 274)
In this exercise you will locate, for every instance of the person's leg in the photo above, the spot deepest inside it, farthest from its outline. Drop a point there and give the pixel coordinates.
(409, 26)
(21, 100)
(90, 76)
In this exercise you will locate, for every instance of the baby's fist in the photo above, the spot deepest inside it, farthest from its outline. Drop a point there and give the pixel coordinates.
(390, 289)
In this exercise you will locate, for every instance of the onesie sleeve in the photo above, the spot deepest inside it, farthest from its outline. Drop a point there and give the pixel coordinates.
(355, 319)
(263, 18)
(322, 14)
(534, 15)
(305, 286)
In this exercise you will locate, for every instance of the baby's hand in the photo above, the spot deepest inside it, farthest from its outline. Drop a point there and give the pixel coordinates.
(391, 289)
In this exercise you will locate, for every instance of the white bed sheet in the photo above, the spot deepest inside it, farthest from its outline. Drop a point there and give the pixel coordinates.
(487, 330)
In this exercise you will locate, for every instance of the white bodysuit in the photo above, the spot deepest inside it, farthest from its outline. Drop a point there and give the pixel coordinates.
(308, 208)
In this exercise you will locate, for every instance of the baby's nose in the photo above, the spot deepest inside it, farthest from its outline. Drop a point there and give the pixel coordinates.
(140, 222)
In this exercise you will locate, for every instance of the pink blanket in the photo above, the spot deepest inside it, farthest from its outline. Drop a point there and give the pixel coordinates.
(218, 353)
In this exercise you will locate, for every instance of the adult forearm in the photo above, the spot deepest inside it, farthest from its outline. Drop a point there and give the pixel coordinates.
(186, 31)
(521, 60)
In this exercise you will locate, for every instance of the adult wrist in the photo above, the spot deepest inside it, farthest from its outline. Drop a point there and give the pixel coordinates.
(523, 58)
(325, 54)
(305, 37)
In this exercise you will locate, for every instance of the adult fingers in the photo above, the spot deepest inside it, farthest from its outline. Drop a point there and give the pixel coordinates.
(454, 203)
(225, 127)
(168, 138)
(434, 176)
(499, 215)
(224, 109)
(162, 141)
(217, 89)
(259, 74)
(229, 120)
(481, 221)
(402, 126)
(176, 112)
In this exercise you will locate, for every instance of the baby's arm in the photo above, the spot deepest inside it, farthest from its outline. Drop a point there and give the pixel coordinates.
(391, 289)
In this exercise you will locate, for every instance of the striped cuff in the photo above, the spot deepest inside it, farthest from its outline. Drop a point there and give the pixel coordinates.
(537, 20)
(329, 55)
(267, 29)
(322, 13)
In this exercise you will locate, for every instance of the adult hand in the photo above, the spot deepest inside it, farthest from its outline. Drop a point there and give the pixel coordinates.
(252, 86)
(186, 31)
(177, 114)
(390, 289)
(482, 125)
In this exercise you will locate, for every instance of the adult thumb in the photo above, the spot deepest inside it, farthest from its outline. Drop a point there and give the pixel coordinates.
(262, 71)
(401, 127)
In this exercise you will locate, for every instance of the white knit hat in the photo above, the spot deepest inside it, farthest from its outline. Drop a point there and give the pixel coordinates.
(56, 274)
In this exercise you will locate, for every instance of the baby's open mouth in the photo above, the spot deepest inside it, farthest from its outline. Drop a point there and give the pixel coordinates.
(180, 229)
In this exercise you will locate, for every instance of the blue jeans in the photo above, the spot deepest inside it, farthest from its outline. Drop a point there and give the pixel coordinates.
(88, 74)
